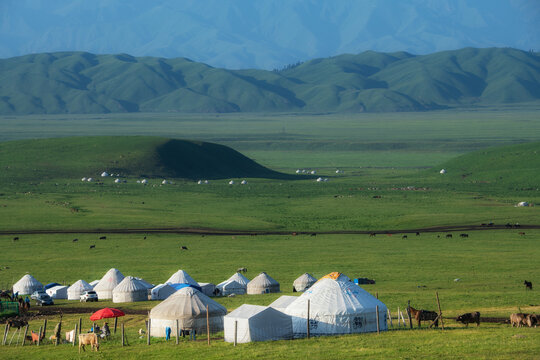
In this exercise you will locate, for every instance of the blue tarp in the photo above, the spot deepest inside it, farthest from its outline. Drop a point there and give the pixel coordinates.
(181, 286)
(48, 286)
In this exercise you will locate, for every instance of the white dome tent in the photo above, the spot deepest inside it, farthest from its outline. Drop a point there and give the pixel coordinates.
(232, 287)
(58, 292)
(262, 284)
(130, 290)
(188, 306)
(443, 171)
(181, 277)
(336, 307)
(107, 284)
(257, 323)
(104, 174)
(207, 289)
(75, 291)
(162, 292)
(27, 285)
(303, 282)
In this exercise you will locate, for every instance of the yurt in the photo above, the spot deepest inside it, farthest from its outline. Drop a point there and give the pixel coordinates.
(257, 323)
(145, 283)
(75, 291)
(336, 307)
(282, 302)
(208, 289)
(106, 285)
(181, 277)
(262, 284)
(58, 292)
(27, 285)
(94, 283)
(232, 287)
(303, 282)
(129, 290)
(238, 277)
(188, 306)
(162, 292)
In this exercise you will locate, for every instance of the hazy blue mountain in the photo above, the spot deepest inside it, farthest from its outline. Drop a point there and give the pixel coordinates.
(263, 34)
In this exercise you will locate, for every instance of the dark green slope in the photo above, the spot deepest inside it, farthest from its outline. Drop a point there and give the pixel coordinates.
(76, 82)
(37, 160)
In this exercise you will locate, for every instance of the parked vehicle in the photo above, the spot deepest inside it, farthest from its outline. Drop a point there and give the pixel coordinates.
(89, 296)
(42, 298)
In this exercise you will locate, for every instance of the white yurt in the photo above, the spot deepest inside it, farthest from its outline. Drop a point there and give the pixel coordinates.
(94, 283)
(238, 277)
(129, 290)
(336, 307)
(181, 277)
(443, 171)
(303, 282)
(257, 323)
(58, 292)
(207, 288)
(188, 306)
(27, 285)
(162, 292)
(232, 287)
(262, 284)
(75, 291)
(282, 302)
(106, 285)
(523, 203)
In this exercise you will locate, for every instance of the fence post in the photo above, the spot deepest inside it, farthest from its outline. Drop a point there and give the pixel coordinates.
(39, 336)
(378, 327)
(307, 323)
(235, 331)
(207, 325)
(390, 317)
(123, 333)
(115, 324)
(148, 332)
(25, 333)
(409, 313)
(44, 328)
(440, 312)
(6, 329)
(74, 335)
(177, 331)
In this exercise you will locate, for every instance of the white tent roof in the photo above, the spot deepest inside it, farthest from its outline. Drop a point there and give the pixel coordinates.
(145, 283)
(94, 283)
(304, 282)
(162, 291)
(27, 285)
(232, 287)
(181, 277)
(282, 302)
(106, 285)
(336, 307)
(257, 323)
(238, 277)
(262, 284)
(75, 291)
(129, 290)
(58, 292)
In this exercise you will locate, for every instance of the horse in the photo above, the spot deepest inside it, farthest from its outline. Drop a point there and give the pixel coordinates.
(420, 315)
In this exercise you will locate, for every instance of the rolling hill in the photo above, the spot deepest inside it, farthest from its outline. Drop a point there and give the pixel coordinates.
(78, 82)
(135, 156)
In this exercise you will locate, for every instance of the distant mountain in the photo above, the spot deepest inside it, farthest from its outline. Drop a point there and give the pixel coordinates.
(76, 82)
(268, 34)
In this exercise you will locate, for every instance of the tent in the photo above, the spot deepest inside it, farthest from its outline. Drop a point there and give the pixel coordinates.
(162, 292)
(257, 323)
(303, 282)
(336, 307)
(208, 289)
(94, 283)
(75, 291)
(181, 286)
(282, 302)
(181, 277)
(238, 277)
(523, 203)
(130, 290)
(106, 285)
(262, 284)
(145, 283)
(27, 285)
(58, 292)
(232, 287)
(188, 306)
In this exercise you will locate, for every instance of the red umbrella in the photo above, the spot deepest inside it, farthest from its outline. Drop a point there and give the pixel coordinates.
(106, 313)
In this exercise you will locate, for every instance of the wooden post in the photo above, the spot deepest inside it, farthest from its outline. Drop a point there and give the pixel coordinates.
(148, 332)
(207, 325)
(6, 329)
(115, 324)
(80, 326)
(44, 328)
(440, 312)
(409, 313)
(74, 335)
(402, 318)
(39, 336)
(235, 331)
(122, 333)
(390, 317)
(377, 295)
(25, 333)
(378, 326)
(177, 331)
(398, 319)
(93, 327)
(307, 322)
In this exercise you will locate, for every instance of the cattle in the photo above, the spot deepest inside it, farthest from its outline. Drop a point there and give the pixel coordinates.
(75, 240)
(522, 233)
(464, 235)
(420, 315)
(508, 226)
(468, 318)
(531, 320)
(88, 339)
(16, 323)
(372, 234)
(103, 238)
(314, 234)
(517, 319)
(528, 285)
(448, 236)
(417, 233)
(184, 248)
(404, 237)
(16, 238)
(92, 246)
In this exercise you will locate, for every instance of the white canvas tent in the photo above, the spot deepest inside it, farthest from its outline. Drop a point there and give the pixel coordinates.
(130, 290)
(282, 302)
(162, 292)
(58, 292)
(238, 277)
(27, 285)
(262, 284)
(207, 288)
(303, 282)
(188, 306)
(107, 284)
(336, 307)
(181, 277)
(257, 323)
(232, 287)
(75, 291)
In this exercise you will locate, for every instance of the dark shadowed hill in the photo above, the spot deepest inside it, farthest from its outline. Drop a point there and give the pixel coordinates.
(76, 82)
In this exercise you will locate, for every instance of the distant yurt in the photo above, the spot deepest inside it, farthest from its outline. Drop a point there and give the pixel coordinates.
(27, 285)
(282, 302)
(94, 283)
(336, 307)
(232, 287)
(262, 284)
(106, 285)
(523, 203)
(58, 292)
(208, 289)
(129, 290)
(75, 291)
(181, 277)
(303, 282)
(162, 292)
(188, 306)
(443, 171)
(238, 277)
(257, 323)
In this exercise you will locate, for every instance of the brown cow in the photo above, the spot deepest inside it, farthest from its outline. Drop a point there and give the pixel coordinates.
(517, 319)
(420, 315)
(531, 320)
(468, 318)
(88, 339)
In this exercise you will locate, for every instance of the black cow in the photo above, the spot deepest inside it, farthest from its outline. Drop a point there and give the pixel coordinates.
(184, 248)
(75, 240)
(103, 238)
(468, 318)
(448, 236)
(92, 246)
(528, 285)
(464, 235)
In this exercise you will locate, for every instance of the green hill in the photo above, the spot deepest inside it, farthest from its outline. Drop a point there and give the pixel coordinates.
(154, 157)
(78, 82)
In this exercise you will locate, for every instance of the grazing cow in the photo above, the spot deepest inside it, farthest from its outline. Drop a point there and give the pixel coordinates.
(88, 339)
(144, 238)
(417, 233)
(522, 233)
(448, 236)
(314, 234)
(16, 323)
(528, 285)
(372, 234)
(103, 238)
(420, 315)
(16, 238)
(517, 319)
(75, 240)
(404, 237)
(184, 248)
(508, 226)
(468, 318)
(92, 246)
(464, 235)
(531, 320)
